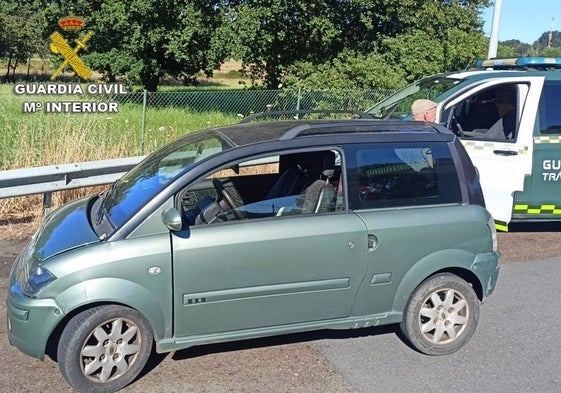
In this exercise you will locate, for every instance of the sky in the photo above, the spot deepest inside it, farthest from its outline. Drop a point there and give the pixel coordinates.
(524, 20)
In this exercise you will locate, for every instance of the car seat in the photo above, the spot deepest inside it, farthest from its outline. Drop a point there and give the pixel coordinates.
(319, 196)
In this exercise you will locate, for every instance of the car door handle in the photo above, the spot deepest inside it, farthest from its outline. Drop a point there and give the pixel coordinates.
(372, 243)
(505, 152)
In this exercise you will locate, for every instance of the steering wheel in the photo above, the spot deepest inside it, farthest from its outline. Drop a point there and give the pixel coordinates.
(228, 197)
(458, 126)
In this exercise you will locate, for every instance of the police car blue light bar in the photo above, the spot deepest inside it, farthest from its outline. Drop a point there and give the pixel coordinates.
(520, 62)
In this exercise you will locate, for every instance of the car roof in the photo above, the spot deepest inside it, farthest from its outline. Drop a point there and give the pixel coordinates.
(249, 133)
(480, 74)
(469, 78)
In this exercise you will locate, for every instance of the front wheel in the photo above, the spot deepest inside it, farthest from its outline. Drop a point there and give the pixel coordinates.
(441, 315)
(104, 348)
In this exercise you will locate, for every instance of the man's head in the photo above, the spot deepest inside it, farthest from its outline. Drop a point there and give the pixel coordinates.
(505, 99)
(423, 110)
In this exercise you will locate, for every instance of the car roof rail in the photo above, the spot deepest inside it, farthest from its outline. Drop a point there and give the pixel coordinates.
(295, 115)
(362, 126)
(521, 63)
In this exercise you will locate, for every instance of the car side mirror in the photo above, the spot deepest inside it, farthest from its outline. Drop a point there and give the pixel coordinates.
(172, 219)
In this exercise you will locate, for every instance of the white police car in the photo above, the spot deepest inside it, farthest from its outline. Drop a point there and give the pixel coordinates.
(508, 114)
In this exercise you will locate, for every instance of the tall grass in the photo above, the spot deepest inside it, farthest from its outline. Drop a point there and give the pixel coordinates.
(38, 139)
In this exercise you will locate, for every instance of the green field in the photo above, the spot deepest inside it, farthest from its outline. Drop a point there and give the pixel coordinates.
(37, 139)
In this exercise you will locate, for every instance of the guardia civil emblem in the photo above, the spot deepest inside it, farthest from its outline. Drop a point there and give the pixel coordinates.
(68, 53)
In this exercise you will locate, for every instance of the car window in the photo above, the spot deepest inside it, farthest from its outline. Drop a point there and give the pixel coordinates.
(130, 193)
(398, 105)
(391, 175)
(304, 182)
(549, 111)
(490, 114)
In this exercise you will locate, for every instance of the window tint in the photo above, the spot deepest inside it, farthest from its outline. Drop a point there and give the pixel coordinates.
(392, 175)
(550, 108)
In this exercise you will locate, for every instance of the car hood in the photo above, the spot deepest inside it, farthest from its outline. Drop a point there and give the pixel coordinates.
(66, 228)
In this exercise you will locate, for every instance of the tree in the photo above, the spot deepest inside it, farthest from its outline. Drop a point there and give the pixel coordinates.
(543, 40)
(551, 52)
(19, 29)
(3, 34)
(348, 70)
(513, 48)
(144, 40)
(271, 36)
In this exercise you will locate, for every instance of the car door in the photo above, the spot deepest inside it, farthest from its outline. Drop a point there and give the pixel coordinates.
(502, 164)
(268, 271)
(541, 198)
(407, 194)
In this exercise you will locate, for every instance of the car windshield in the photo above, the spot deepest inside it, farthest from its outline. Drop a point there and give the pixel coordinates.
(398, 105)
(142, 183)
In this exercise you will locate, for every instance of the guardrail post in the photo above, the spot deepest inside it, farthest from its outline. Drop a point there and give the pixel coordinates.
(47, 202)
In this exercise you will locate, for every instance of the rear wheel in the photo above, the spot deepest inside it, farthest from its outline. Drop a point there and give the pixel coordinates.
(441, 315)
(104, 348)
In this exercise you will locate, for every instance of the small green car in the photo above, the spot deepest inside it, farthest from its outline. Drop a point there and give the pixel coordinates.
(256, 230)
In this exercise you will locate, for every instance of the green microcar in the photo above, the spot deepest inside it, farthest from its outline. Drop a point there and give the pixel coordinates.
(255, 230)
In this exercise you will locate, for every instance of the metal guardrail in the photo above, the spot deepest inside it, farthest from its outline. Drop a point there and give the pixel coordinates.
(48, 179)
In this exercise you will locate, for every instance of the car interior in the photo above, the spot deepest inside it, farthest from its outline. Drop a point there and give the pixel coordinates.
(288, 184)
(489, 114)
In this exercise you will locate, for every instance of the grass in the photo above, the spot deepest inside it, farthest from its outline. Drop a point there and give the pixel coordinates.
(38, 139)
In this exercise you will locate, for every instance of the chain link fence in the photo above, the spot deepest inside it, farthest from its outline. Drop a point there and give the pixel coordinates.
(32, 121)
(242, 103)
(248, 101)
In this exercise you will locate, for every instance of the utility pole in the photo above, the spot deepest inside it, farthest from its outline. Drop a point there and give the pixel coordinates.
(495, 27)
(550, 40)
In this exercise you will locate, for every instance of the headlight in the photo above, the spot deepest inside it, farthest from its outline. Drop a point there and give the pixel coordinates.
(38, 278)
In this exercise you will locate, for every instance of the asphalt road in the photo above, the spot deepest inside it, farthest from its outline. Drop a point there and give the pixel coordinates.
(516, 348)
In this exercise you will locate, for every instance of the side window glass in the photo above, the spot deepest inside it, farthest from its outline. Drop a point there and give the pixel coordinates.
(267, 187)
(490, 114)
(394, 176)
(550, 108)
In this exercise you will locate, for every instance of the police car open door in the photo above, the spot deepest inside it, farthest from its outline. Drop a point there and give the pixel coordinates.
(495, 121)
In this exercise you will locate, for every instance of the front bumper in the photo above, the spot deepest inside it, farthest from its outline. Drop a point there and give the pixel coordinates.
(486, 267)
(31, 321)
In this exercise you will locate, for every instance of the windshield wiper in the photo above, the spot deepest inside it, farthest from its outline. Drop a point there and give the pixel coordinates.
(99, 212)
(102, 213)
(389, 115)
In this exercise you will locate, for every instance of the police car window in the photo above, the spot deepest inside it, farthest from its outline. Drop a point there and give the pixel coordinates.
(550, 108)
(398, 105)
(490, 114)
(395, 175)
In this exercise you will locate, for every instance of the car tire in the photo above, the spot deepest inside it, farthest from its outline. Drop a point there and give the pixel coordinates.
(441, 315)
(104, 348)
